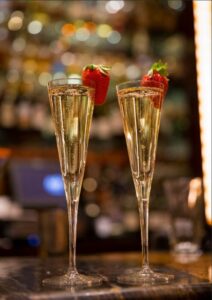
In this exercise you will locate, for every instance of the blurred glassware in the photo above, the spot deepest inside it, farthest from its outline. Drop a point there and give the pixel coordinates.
(186, 207)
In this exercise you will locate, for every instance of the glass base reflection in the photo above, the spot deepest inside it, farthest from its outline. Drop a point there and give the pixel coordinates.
(139, 276)
(73, 279)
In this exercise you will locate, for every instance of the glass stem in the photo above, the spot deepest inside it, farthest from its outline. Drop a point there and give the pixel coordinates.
(144, 223)
(72, 198)
(143, 205)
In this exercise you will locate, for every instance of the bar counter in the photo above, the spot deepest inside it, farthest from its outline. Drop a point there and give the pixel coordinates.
(21, 278)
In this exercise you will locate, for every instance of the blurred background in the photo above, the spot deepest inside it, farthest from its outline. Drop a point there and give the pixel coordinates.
(44, 40)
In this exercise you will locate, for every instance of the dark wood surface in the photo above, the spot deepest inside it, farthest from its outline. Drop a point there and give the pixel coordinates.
(21, 278)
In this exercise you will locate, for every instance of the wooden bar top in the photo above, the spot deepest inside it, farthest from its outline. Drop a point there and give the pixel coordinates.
(21, 278)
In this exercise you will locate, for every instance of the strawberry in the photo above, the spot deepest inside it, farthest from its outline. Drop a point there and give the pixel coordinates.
(157, 77)
(97, 76)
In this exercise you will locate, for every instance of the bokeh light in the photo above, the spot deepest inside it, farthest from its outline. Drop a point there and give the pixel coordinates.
(18, 13)
(114, 37)
(92, 210)
(35, 27)
(44, 78)
(104, 30)
(15, 23)
(68, 29)
(176, 5)
(90, 184)
(59, 75)
(19, 44)
(103, 226)
(91, 26)
(82, 34)
(118, 69)
(67, 58)
(133, 72)
(114, 6)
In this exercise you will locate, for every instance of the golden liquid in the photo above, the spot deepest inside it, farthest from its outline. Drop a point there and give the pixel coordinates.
(141, 121)
(72, 110)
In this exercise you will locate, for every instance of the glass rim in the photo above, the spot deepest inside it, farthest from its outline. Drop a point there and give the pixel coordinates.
(67, 80)
(137, 83)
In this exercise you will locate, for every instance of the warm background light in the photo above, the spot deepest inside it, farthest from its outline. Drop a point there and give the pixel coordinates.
(202, 26)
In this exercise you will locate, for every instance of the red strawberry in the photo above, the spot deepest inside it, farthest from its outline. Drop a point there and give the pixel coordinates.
(97, 76)
(157, 77)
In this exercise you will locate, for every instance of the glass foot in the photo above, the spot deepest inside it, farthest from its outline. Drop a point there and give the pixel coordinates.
(73, 279)
(144, 275)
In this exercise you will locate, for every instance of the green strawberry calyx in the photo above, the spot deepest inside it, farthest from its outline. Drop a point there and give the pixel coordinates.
(160, 67)
(102, 68)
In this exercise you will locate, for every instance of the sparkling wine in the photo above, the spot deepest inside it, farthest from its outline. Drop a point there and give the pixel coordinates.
(141, 121)
(72, 110)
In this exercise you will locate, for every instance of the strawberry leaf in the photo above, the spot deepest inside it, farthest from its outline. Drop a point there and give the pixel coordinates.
(104, 69)
(159, 67)
(90, 67)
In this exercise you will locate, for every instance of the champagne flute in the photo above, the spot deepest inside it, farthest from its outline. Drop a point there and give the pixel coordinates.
(72, 106)
(140, 109)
